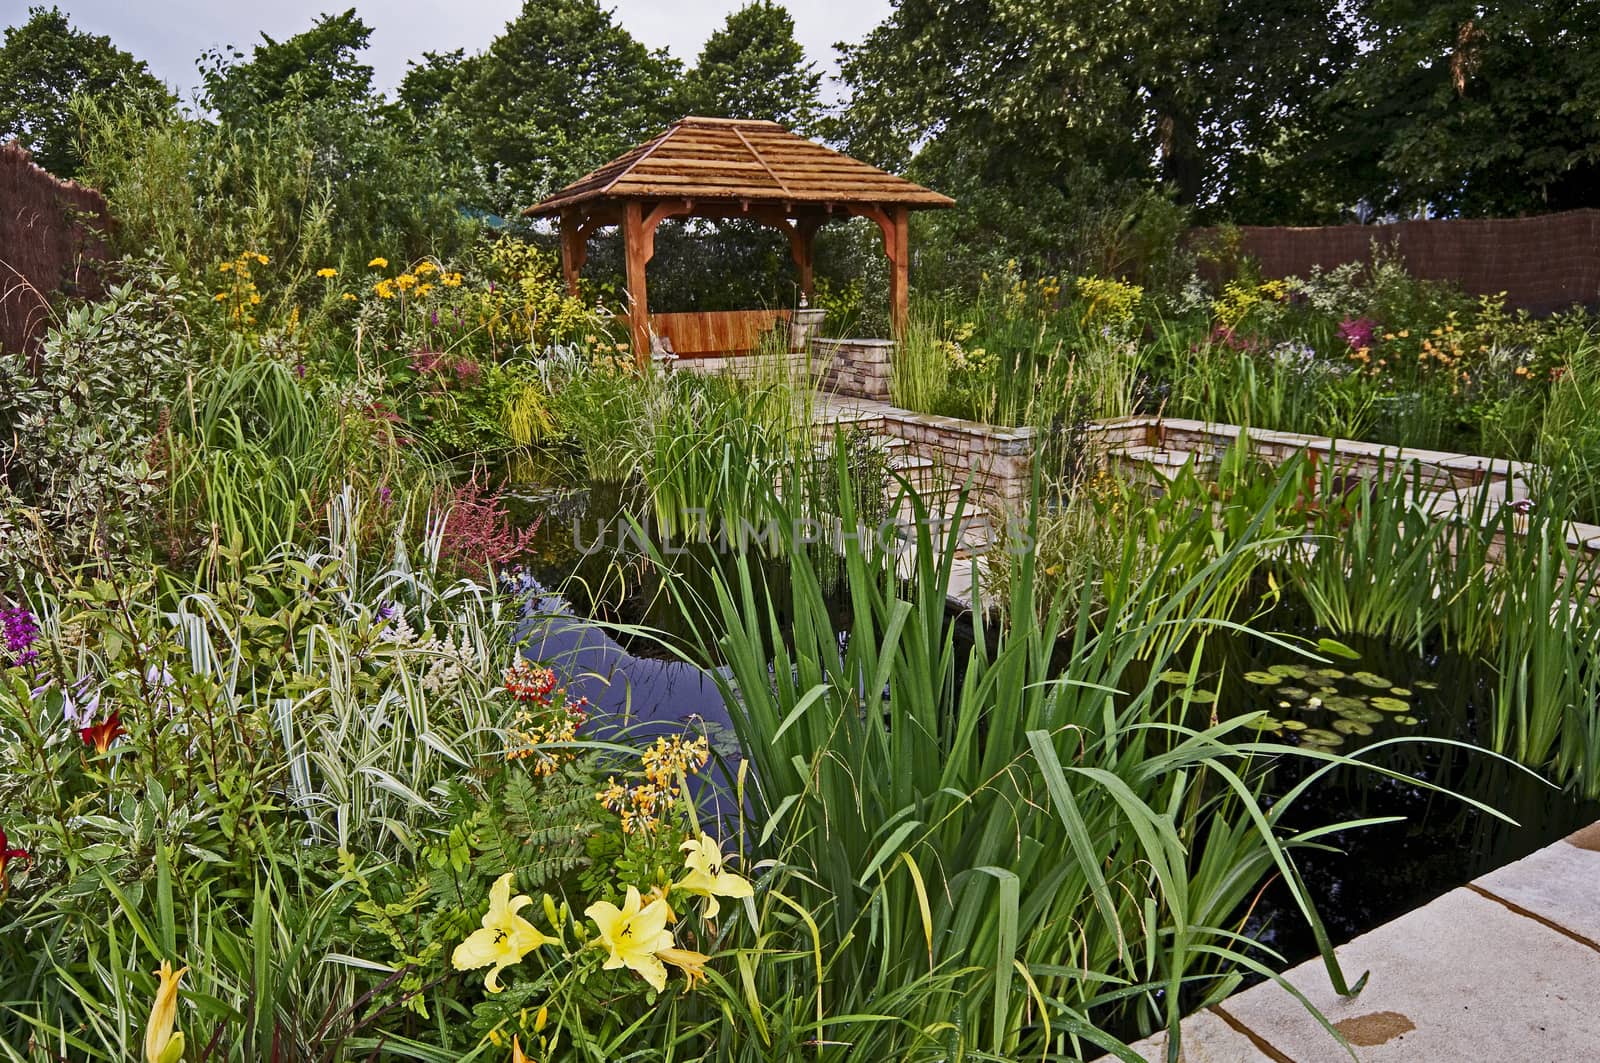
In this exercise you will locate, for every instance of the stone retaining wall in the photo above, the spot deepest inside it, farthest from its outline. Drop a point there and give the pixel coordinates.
(856, 369)
(997, 462)
(1441, 470)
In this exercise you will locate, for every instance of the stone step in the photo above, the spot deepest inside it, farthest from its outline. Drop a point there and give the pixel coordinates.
(1150, 462)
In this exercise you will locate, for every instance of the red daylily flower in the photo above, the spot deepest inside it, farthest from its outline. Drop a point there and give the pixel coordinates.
(102, 734)
(8, 854)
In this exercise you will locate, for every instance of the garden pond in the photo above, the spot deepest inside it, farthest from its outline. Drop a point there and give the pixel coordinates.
(619, 639)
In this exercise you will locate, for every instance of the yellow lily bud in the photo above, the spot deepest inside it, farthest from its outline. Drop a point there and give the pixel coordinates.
(162, 1043)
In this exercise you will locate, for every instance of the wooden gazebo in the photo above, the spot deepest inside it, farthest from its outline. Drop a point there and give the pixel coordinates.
(732, 168)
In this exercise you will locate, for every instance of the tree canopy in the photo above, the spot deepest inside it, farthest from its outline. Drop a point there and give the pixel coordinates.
(754, 68)
(561, 91)
(44, 62)
(318, 65)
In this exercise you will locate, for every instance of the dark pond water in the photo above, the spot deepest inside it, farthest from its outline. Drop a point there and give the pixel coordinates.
(1367, 876)
(1360, 879)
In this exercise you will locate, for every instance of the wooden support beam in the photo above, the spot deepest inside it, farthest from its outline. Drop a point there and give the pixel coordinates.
(900, 273)
(802, 248)
(574, 250)
(636, 252)
(894, 223)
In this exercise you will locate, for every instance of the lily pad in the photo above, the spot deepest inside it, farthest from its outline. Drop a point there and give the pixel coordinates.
(1372, 679)
(1425, 684)
(1406, 721)
(1294, 725)
(1343, 703)
(1316, 736)
(1388, 704)
(1265, 723)
(1328, 674)
(1352, 727)
(1265, 679)
(1361, 714)
(1174, 677)
(1399, 692)
(1200, 697)
(1290, 671)
(1294, 693)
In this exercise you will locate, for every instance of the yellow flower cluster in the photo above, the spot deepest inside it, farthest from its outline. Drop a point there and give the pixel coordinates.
(533, 736)
(1113, 300)
(634, 936)
(418, 281)
(640, 807)
(241, 293)
(1237, 300)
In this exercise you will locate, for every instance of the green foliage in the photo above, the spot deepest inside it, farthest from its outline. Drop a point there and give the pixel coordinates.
(1471, 110)
(1012, 95)
(316, 66)
(752, 67)
(80, 482)
(561, 91)
(44, 63)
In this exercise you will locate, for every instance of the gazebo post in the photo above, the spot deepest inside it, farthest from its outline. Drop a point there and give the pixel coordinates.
(802, 247)
(637, 254)
(896, 243)
(572, 250)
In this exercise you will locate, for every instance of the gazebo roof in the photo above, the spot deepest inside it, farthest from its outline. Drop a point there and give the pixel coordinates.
(742, 161)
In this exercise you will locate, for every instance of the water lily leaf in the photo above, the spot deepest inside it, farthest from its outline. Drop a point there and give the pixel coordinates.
(1335, 648)
(1400, 692)
(1425, 684)
(1266, 679)
(1294, 725)
(1316, 736)
(1265, 723)
(1294, 693)
(1407, 721)
(1361, 714)
(1388, 704)
(1174, 677)
(1200, 697)
(1328, 673)
(1352, 727)
(1343, 703)
(1371, 679)
(1290, 671)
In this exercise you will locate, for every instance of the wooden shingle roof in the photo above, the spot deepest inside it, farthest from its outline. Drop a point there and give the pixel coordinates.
(739, 160)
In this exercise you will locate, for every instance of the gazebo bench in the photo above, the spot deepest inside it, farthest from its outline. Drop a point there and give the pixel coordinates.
(716, 333)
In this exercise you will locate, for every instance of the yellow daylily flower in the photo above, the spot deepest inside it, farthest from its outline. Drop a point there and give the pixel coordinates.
(517, 1055)
(634, 934)
(162, 1043)
(506, 937)
(691, 963)
(706, 875)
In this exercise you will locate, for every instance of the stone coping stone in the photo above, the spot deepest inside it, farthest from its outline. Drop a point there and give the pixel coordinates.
(1207, 1038)
(836, 405)
(1560, 884)
(1463, 978)
(1442, 458)
(832, 341)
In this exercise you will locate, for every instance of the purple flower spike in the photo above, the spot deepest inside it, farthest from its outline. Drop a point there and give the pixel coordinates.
(21, 633)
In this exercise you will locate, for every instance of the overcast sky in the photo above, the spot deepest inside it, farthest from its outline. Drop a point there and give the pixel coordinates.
(169, 34)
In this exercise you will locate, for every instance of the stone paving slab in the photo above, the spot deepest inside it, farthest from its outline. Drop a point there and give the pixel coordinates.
(1559, 883)
(1206, 1039)
(1463, 978)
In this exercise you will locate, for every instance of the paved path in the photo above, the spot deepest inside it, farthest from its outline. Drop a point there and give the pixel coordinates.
(1504, 970)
